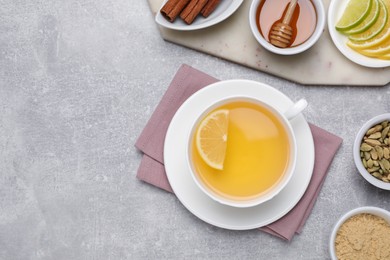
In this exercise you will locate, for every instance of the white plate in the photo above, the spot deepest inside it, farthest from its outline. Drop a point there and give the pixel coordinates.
(223, 11)
(200, 204)
(335, 11)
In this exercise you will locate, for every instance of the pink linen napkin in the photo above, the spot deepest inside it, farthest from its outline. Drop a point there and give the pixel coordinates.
(151, 142)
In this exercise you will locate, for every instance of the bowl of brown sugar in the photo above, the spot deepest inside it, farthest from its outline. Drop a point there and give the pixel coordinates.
(362, 233)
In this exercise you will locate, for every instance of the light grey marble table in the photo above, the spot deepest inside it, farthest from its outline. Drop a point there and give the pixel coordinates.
(78, 81)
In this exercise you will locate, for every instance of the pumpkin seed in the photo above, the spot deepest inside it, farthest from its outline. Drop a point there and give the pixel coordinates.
(369, 163)
(386, 153)
(386, 164)
(374, 154)
(385, 132)
(372, 142)
(379, 151)
(376, 135)
(382, 166)
(365, 163)
(365, 147)
(373, 169)
(374, 129)
(377, 175)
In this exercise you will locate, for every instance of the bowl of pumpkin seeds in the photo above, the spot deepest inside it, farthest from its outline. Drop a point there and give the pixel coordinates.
(371, 151)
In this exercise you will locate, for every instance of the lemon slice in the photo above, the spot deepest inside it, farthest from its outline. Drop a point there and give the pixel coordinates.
(376, 28)
(377, 51)
(371, 18)
(211, 138)
(354, 14)
(376, 41)
(384, 57)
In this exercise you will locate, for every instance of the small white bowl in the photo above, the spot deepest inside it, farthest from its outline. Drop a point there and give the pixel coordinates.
(356, 151)
(321, 18)
(371, 210)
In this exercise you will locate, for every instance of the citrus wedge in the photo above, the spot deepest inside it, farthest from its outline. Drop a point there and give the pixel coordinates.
(377, 51)
(384, 57)
(376, 28)
(379, 39)
(211, 138)
(383, 37)
(371, 18)
(355, 12)
(380, 57)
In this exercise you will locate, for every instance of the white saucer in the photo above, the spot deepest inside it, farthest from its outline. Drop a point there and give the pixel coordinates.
(335, 11)
(200, 204)
(223, 11)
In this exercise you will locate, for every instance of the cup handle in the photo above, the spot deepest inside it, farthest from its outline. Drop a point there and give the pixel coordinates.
(296, 109)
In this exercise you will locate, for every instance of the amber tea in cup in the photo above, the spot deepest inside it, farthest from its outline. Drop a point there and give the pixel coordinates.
(260, 154)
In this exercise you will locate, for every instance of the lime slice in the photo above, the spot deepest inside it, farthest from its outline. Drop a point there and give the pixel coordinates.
(371, 18)
(354, 14)
(376, 28)
(378, 39)
(384, 36)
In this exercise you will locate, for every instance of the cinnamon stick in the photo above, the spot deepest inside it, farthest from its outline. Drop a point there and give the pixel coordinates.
(192, 10)
(209, 7)
(172, 8)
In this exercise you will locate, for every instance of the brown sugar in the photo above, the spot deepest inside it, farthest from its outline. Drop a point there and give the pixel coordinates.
(363, 236)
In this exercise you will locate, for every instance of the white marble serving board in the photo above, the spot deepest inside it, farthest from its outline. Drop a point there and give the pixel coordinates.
(232, 40)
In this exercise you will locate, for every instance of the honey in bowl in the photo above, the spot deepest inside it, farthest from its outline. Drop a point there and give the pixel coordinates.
(303, 20)
(258, 153)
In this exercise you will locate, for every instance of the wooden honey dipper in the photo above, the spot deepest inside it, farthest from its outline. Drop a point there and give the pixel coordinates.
(281, 32)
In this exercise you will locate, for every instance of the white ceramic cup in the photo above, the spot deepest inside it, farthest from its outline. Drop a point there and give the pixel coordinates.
(284, 117)
(321, 19)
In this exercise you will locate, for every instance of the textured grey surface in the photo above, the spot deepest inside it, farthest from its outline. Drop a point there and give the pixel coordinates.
(78, 81)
